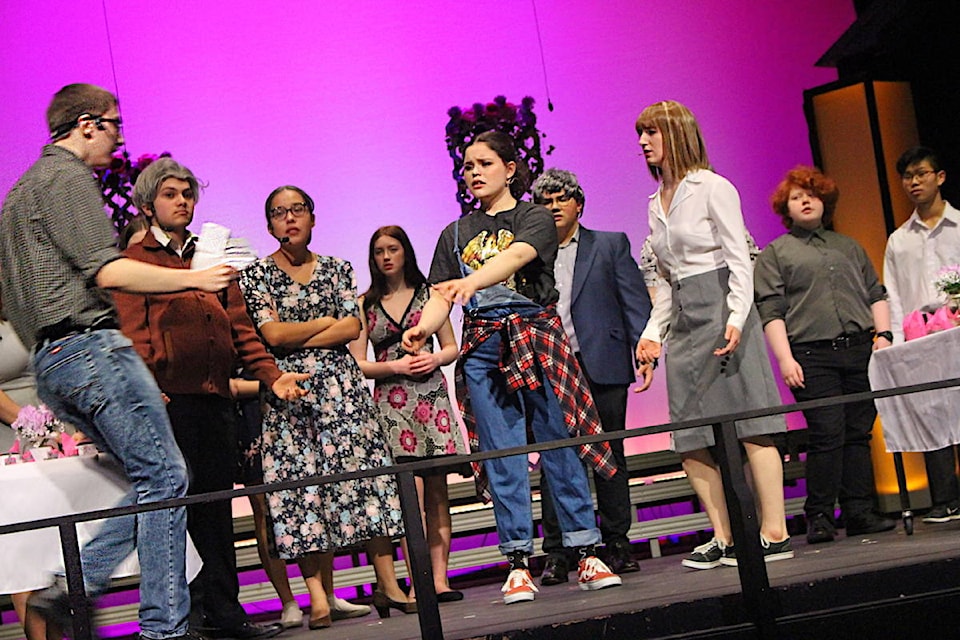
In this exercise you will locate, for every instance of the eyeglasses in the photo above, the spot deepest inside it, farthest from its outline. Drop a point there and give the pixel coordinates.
(298, 209)
(919, 175)
(549, 201)
(118, 122)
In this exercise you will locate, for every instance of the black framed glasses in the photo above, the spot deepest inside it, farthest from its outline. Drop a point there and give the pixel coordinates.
(548, 201)
(298, 209)
(117, 122)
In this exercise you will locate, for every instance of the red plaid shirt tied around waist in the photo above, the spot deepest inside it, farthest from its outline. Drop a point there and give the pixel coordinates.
(528, 346)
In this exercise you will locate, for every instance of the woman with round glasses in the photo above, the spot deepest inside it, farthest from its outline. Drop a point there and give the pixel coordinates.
(305, 308)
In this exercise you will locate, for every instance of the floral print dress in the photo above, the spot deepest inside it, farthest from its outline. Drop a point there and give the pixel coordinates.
(417, 416)
(333, 429)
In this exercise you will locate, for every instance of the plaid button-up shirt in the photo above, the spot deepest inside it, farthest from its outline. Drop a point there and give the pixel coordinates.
(530, 345)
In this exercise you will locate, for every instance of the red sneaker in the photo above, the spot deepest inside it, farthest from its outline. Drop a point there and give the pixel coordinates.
(519, 587)
(593, 574)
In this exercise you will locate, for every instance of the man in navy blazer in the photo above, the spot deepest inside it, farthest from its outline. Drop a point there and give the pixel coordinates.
(604, 306)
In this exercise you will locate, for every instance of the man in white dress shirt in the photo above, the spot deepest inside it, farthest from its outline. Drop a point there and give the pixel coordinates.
(928, 241)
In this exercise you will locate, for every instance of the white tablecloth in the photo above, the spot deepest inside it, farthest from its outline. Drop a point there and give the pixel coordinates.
(34, 490)
(923, 421)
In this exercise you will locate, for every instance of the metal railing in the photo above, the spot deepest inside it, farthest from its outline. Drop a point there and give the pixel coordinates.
(761, 602)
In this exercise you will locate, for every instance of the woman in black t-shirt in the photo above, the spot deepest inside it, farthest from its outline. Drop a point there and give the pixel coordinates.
(516, 366)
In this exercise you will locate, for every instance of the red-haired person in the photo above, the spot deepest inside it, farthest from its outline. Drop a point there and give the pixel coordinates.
(822, 306)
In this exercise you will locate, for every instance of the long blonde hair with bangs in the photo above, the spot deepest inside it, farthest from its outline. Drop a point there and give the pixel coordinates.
(684, 149)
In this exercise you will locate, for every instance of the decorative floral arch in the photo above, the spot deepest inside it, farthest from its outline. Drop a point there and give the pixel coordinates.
(520, 123)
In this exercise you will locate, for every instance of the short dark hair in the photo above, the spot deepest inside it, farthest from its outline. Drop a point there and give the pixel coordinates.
(73, 101)
(913, 155)
(812, 180)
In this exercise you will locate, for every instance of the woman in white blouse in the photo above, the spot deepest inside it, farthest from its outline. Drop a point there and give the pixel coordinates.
(704, 309)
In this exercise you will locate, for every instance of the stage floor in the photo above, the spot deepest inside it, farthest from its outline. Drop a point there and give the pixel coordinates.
(844, 573)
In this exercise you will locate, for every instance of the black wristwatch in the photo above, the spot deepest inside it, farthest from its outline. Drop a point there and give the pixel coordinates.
(885, 334)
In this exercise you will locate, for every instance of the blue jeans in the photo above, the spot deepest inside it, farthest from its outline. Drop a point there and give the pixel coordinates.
(502, 423)
(98, 382)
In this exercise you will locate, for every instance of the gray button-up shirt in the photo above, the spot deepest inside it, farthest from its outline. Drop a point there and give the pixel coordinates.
(563, 273)
(54, 239)
(820, 283)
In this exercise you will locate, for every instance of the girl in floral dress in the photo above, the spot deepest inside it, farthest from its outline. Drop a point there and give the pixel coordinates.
(305, 308)
(410, 390)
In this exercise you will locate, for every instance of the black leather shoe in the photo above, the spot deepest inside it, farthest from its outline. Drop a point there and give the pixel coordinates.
(820, 529)
(246, 631)
(868, 522)
(620, 558)
(555, 571)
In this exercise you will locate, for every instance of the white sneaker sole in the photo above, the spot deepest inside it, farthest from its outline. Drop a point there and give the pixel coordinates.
(523, 596)
(603, 583)
(774, 557)
(697, 564)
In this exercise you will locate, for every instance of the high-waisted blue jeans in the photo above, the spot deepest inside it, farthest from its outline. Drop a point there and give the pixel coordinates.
(98, 382)
(501, 418)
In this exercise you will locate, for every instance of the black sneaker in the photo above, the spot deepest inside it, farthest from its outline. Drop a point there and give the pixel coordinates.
(820, 529)
(942, 513)
(869, 522)
(709, 555)
(189, 635)
(772, 551)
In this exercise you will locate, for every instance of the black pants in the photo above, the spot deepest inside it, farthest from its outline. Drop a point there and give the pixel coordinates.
(613, 495)
(206, 432)
(942, 476)
(838, 450)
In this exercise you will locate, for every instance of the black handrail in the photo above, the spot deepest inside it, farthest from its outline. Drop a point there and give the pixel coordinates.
(762, 603)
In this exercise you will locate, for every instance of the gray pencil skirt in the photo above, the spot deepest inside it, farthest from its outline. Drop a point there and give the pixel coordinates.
(699, 384)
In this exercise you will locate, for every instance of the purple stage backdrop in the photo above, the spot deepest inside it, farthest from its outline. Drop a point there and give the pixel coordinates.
(349, 99)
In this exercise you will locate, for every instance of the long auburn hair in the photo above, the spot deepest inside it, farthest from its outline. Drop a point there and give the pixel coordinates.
(412, 275)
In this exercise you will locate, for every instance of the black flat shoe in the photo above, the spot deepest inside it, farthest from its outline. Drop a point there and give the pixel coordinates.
(383, 604)
(450, 596)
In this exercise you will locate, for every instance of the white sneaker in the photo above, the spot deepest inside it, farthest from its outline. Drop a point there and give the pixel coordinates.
(341, 609)
(292, 615)
(593, 574)
(519, 587)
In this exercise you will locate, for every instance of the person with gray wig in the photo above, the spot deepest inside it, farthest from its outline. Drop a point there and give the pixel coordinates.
(604, 307)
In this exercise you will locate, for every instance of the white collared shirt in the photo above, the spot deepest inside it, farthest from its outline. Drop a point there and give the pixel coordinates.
(164, 239)
(911, 260)
(703, 232)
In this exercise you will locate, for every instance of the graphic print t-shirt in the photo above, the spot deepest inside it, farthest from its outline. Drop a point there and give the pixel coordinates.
(481, 237)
